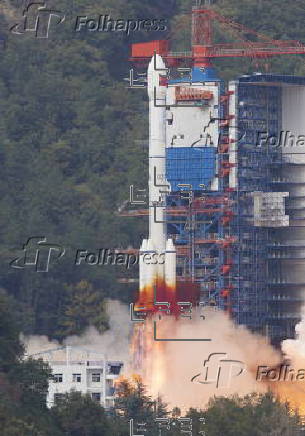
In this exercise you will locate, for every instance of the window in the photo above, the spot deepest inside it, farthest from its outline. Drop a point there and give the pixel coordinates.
(96, 377)
(58, 378)
(76, 378)
(109, 403)
(96, 396)
(114, 369)
(58, 397)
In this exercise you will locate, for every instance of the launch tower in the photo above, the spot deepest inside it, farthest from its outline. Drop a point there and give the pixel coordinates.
(227, 177)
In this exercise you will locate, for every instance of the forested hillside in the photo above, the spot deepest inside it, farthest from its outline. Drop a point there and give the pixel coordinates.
(72, 141)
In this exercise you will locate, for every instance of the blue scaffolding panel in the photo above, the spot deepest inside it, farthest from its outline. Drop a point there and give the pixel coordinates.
(193, 166)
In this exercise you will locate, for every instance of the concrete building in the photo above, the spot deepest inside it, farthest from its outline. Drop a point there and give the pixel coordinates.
(82, 370)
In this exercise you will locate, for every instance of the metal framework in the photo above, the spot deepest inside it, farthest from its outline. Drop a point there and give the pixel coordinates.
(266, 299)
(236, 262)
(199, 221)
(219, 243)
(248, 42)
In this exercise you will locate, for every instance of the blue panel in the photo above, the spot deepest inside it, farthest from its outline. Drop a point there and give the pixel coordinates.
(207, 74)
(295, 80)
(193, 166)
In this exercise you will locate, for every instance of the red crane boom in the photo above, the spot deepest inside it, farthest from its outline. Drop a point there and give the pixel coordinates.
(204, 49)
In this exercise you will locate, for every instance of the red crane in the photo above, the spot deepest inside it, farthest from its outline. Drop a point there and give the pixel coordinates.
(250, 43)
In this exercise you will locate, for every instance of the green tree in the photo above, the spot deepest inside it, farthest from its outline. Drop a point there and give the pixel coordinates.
(252, 415)
(132, 400)
(85, 308)
(23, 383)
(79, 415)
(32, 377)
(10, 346)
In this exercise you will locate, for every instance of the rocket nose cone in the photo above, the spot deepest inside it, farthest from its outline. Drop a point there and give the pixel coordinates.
(170, 245)
(156, 70)
(156, 63)
(143, 245)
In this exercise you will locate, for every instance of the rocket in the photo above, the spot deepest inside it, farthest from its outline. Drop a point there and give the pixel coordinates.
(157, 152)
(157, 257)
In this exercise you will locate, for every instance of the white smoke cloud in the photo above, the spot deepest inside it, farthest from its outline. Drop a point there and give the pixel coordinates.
(181, 361)
(114, 343)
(171, 365)
(294, 349)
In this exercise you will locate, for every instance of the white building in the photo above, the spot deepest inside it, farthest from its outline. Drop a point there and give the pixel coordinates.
(82, 370)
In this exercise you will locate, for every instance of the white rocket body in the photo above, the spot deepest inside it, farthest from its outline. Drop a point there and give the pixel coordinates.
(157, 144)
(170, 265)
(142, 252)
(160, 266)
